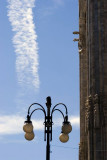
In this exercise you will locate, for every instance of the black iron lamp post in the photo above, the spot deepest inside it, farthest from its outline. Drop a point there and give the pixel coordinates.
(66, 127)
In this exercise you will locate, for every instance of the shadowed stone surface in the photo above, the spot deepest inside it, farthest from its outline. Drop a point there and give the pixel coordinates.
(93, 79)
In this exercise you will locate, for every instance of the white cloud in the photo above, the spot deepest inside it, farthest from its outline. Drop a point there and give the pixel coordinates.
(13, 124)
(74, 120)
(25, 41)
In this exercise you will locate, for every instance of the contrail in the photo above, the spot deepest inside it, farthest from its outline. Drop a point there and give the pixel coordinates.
(25, 41)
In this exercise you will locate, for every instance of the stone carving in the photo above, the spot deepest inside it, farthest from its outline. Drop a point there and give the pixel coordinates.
(92, 112)
(80, 47)
(88, 107)
(81, 151)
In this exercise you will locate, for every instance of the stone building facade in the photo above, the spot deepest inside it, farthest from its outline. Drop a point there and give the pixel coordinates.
(92, 46)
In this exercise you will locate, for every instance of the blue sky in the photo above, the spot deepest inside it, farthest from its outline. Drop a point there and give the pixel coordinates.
(38, 58)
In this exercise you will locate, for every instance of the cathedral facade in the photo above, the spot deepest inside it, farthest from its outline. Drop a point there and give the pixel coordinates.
(92, 46)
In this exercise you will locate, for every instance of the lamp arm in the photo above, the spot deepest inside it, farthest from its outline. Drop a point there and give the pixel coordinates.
(36, 104)
(36, 110)
(61, 104)
(59, 111)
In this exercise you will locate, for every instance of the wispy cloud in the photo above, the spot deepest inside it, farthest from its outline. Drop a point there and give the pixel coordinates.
(25, 41)
(58, 2)
(48, 8)
(13, 124)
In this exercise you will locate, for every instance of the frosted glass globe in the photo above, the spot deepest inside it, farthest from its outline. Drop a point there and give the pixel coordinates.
(29, 136)
(63, 138)
(66, 128)
(28, 127)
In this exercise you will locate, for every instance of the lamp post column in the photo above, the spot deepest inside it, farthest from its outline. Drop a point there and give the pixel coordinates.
(48, 127)
(66, 128)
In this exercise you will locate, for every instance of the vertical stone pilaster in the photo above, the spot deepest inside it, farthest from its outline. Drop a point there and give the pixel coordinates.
(105, 133)
(96, 111)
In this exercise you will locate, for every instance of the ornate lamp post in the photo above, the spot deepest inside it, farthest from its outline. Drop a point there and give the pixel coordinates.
(66, 128)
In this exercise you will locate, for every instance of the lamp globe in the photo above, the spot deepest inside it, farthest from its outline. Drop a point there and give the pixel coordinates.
(29, 136)
(28, 127)
(66, 128)
(63, 138)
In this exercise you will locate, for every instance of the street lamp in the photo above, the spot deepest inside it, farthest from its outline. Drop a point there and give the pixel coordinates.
(66, 127)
